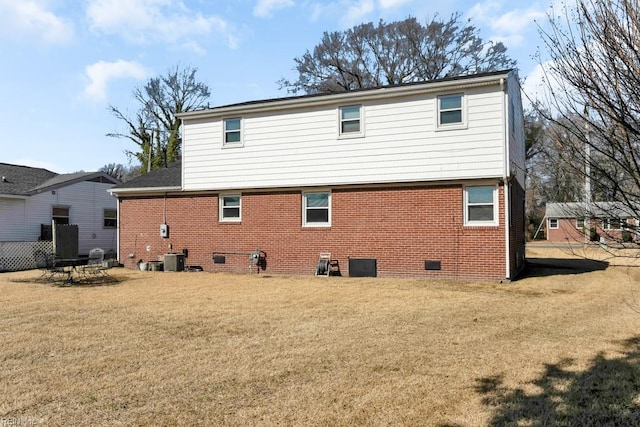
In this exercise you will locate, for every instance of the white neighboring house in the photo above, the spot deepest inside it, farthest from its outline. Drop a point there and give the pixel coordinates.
(32, 197)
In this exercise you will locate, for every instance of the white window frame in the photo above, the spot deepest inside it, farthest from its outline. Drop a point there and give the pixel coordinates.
(551, 222)
(360, 132)
(305, 223)
(221, 207)
(225, 132)
(105, 218)
(463, 112)
(496, 211)
(580, 226)
(607, 224)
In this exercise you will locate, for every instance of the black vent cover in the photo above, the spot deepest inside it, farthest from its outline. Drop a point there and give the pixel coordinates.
(363, 267)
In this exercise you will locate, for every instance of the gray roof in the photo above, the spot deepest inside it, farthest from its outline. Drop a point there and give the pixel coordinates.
(169, 177)
(591, 210)
(17, 180)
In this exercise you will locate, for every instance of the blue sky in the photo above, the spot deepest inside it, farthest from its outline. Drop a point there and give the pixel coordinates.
(65, 61)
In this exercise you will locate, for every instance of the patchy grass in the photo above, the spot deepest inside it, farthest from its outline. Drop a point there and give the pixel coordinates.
(212, 349)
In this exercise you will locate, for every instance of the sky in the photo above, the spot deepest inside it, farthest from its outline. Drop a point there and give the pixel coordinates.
(65, 61)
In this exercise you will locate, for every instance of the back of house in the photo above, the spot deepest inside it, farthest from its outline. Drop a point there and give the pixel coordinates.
(418, 180)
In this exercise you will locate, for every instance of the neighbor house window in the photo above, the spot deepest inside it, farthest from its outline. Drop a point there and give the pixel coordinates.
(233, 131)
(481, 205)
(230, 207)
(60, 215)
(351, 120)
(611, 224)
(110, 218)
(553, 223)
(450, 111)
(579, 223)
(316, 210)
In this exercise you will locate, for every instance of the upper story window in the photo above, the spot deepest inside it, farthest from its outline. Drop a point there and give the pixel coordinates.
(316, 209)
(60, 215)
(110, 218)
(450, 111)
(233, 132)
(351, 121)
(230, 207)
(481, 205)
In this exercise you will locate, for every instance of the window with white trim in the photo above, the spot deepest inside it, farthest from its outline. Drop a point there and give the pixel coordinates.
(611, 224)
(316, 209)
(481, 205)
(351, 121)
(110, 218)
(579, 223)
(451, 111)
(232, 132)
(230, 207)
(553, 223)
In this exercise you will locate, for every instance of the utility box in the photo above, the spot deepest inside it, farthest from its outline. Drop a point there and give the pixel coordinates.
(173, 262)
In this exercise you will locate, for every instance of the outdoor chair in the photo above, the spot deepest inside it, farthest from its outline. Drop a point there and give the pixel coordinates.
(95, 265)
(46, 262)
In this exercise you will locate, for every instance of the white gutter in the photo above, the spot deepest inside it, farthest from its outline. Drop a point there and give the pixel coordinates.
(505, 179)
(142, 190)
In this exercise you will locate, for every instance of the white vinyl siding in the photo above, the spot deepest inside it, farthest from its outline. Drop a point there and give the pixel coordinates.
(87, 202)
(12, 225)
(302, 148)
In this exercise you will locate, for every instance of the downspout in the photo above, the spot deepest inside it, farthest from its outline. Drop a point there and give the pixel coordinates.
(118, 229)
(505, 179)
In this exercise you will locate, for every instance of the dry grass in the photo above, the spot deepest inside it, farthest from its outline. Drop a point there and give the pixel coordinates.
(214, 349)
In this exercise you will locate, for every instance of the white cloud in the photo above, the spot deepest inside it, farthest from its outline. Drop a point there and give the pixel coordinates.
(101, 73)
(509, 27)
(148, 21)
(517, 20)
(357, 11)
(30, 19)
(265, 8)
(389, 4)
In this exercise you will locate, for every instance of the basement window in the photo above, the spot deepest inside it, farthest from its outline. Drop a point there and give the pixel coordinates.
(230, 207)
(316, 209)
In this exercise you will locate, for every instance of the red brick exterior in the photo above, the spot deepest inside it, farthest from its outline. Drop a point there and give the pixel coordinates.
(567, 232)
(400, 227)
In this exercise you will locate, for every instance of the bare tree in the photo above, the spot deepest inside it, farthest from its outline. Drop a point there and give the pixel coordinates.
(154, 128)
(593, 98)
(393, 53)
(119, 171)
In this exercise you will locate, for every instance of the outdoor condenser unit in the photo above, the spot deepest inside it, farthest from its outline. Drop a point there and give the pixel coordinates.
(173, 262)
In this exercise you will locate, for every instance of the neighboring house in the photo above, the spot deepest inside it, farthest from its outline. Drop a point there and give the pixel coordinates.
(31, 198)
(416, 180)
(581, 222)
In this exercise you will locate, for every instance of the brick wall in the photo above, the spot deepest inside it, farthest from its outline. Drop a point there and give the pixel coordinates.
(399, 227)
